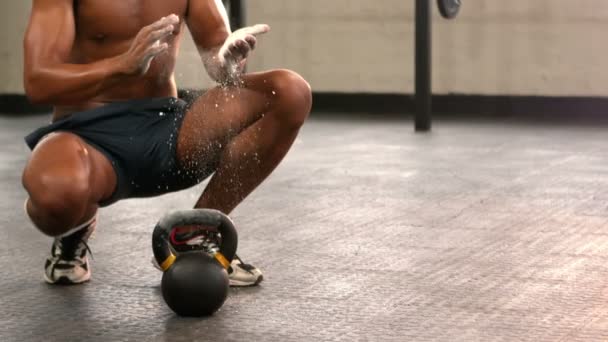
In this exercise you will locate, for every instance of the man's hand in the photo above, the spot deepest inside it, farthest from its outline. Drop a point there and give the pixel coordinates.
(238, 46)
(148, 44)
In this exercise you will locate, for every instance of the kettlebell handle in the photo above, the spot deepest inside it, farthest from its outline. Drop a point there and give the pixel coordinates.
(205, 217)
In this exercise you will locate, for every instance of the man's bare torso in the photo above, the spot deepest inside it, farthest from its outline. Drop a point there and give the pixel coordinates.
(107, 28)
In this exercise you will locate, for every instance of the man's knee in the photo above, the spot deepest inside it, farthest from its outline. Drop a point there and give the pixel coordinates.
(58, 199)
(54, 206)
(292, 94)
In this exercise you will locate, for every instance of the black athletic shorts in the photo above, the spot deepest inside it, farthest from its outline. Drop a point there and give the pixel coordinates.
(139, 137)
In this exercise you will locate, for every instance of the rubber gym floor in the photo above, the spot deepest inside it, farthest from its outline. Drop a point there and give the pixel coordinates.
(483, 230)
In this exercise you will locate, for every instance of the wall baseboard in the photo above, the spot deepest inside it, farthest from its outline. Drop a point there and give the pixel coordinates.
(474, 105)
(404, 105)
(19, 104)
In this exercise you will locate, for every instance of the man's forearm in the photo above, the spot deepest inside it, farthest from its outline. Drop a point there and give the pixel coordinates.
(66, 84)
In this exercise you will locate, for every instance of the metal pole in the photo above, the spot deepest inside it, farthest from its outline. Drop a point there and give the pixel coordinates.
(237, 14)
(423, 66)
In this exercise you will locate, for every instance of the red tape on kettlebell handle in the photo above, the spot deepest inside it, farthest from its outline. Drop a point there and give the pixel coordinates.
(161, 244)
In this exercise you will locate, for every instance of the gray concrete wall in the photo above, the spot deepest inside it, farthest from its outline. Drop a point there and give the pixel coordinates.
(548, 47)
(539, 47)
(13, 20)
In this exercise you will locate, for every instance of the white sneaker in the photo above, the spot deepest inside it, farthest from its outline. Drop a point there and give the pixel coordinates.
(241, 274)
(68, 263)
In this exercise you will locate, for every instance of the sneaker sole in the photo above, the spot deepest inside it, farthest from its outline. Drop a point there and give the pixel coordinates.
(63, 280)
(238, 283)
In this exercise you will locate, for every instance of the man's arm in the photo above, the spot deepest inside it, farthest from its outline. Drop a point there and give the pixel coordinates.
(49, 78)
(223, 53)
(47, 45)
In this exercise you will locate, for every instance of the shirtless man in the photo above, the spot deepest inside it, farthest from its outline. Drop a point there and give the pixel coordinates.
(119, 131)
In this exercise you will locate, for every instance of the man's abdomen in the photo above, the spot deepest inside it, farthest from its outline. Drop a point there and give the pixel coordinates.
(105, 29)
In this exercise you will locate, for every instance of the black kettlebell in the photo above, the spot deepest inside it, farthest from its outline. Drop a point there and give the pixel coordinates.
(194, 283)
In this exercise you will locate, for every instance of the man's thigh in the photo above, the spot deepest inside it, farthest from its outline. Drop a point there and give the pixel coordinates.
(62, 160)
(220, 114)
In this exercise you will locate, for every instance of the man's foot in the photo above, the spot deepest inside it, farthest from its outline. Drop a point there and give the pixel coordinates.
(68, 263)
(239, 273)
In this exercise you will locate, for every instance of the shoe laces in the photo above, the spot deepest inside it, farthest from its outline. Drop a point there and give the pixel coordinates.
(73, 246)
(207, 243)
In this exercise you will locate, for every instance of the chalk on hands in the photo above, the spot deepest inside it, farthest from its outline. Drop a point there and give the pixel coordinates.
(256, 29)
